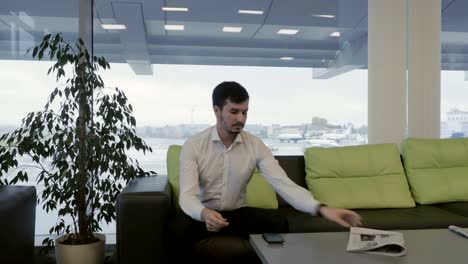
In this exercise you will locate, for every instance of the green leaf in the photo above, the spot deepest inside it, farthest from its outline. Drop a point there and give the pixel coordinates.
(56, 39)
(35, 51)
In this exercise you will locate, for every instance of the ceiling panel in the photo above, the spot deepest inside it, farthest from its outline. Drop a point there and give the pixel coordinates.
(454, 16)
(219, 11)
(203, 42)
(204, 29)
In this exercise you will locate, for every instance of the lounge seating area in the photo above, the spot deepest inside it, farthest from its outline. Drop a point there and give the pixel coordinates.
(424, 188)
(362, 103)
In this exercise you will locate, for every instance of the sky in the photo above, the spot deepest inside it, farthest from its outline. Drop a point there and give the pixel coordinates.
(181, 94)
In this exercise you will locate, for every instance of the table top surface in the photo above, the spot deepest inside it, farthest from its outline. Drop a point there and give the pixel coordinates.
(423, 246)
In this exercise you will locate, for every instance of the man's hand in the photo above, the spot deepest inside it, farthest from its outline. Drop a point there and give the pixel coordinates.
(343, 217)
(214, 221)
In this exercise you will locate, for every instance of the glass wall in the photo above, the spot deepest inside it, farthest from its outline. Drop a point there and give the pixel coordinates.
(304, 65)
(454, 75)
(25, 84)
(288, 110)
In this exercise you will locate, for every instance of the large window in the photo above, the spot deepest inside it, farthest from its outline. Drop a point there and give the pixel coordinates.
(288, 109)
(454, 106)
(304, 64)
(454, 75)
(25, 84)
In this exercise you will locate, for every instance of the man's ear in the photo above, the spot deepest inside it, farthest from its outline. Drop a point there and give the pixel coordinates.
(217, 110)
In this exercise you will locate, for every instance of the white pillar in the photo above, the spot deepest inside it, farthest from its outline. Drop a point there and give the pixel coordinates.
(85, 31)
(387, 71)
(424, 26)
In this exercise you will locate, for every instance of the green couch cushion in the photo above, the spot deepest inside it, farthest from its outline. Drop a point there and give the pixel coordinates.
(437, 169)
(260, 194)
(367, 176)
(173, 171)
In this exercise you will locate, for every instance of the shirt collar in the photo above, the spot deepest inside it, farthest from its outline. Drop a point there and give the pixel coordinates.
(215, 136)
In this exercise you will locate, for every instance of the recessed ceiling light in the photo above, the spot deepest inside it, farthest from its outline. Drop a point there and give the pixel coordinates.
(232, 29)
(335, 34)
(288, 31)
(174, 9)
(323, 16)
(174, 27)
(251, 12)
(113, 26)
(287, 58)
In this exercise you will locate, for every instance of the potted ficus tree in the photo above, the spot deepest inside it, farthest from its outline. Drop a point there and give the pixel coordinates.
(79, 142)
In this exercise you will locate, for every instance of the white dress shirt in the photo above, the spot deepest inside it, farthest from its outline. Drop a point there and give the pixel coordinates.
(216, 177)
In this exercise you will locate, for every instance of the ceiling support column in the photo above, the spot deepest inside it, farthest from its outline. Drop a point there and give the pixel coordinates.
(85, 31)
(424, 53)
(387, 71)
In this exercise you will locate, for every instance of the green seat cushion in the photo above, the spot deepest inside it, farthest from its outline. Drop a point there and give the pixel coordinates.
(173, 171)
(437, 169)
(259, 194)
(367, 176)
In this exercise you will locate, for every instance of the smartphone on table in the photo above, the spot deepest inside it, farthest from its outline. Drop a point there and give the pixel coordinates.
(273, 239)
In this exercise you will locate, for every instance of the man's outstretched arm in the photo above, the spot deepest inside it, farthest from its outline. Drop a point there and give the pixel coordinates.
(297, 196)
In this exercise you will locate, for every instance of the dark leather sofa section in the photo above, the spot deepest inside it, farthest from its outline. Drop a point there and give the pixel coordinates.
(143, 209)
(144, 212)
(17, 224)
(457, 208)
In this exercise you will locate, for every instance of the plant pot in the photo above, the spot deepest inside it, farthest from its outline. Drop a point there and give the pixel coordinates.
(77, 254)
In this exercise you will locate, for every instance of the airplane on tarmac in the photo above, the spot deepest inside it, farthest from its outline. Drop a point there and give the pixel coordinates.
(325, 139)
(320, 142)
(337, 136)
(290, 137)
(336, 139)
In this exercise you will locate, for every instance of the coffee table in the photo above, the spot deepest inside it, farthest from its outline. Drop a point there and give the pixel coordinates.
(424, 247)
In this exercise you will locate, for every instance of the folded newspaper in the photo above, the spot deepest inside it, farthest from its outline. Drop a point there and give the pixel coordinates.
(374, 241)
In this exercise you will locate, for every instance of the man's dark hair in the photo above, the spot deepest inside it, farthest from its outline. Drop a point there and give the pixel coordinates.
(231, 91)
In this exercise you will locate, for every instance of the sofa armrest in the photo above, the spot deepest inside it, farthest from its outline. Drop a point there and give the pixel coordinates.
(17, 224)
(142, 220)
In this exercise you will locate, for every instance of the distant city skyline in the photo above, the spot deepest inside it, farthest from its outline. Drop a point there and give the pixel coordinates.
(181, 94)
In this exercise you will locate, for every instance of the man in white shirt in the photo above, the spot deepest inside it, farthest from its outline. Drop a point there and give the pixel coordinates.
(217, 164)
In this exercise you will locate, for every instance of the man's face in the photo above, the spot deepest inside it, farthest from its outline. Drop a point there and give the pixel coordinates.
(232, 117)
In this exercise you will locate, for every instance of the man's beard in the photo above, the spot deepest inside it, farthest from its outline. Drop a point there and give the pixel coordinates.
(236, 130)
(231, 129)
